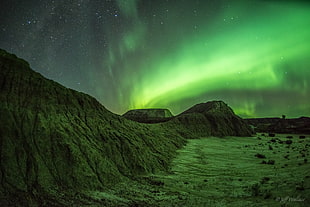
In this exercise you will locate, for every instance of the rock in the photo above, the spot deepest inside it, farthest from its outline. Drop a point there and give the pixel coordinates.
(258, 155)
(264, 180)
(56, 142)
(288, 141)
(273, 140)
(149, 115)
(270, 162)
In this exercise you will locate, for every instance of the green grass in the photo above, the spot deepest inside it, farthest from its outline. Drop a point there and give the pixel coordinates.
(226, 172)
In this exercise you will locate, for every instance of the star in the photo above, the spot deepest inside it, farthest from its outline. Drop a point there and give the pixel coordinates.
(167, 55)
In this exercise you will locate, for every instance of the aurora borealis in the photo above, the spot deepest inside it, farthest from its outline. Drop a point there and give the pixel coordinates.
(254, 55)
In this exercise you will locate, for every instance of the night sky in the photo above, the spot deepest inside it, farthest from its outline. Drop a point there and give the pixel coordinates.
(254, 55)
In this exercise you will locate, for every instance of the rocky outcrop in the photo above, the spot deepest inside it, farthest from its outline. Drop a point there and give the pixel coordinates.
(213, 118)
(149, 115)
(56, 143)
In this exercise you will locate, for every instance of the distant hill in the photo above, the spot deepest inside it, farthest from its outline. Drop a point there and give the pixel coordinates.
(149, 115)
(214, 118)
(56, 143)
(215, 107)
(281, 125)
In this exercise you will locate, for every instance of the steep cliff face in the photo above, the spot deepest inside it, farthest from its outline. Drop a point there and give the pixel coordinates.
(213, 118)
(148, 115)
(56, 142)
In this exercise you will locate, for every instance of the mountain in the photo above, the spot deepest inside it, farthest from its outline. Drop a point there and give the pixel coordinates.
(57, 143)
(214, 118)
(149, 115)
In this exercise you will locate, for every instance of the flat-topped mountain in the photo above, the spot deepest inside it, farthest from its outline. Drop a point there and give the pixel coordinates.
(149, 115)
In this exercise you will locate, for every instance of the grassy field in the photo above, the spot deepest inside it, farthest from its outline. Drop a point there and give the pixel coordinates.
(230, 171)
(235, 171)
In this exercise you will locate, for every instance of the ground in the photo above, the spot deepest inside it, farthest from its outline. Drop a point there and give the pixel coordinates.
(230, 171)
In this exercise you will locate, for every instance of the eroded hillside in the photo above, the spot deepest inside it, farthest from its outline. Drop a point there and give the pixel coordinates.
(56, 142)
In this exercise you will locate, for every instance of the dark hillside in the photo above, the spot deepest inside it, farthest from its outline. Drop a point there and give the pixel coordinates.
(214, 118)
(56, 143)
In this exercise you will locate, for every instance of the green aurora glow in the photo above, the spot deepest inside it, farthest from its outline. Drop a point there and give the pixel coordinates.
(245, 58)
(252, 54)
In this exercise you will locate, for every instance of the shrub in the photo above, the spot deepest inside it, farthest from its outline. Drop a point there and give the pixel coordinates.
(264, 180)
(288, 141)
(260, 156)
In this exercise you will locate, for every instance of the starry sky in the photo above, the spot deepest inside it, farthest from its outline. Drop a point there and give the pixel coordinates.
(254, 55)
